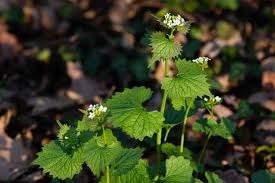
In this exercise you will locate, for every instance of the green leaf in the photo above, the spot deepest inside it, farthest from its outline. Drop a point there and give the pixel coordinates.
(229, 4)
(163, 48)
(172, 150)
(194, 180)
(197, 167)
(63, 128)
(223, 129)
(126, 161)
(98, 155)
(137, 175)
(86, 123)
(178, 170)
(128, 113)
(262, 176)
(190, 82)
(71, 137)
(184, 29)
(213, 178)
(59, 163)
(179, 102)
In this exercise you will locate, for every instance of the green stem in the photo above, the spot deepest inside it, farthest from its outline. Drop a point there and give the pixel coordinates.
(159, 134)
(171, 36)
(166, 134)
(183, 128)
(201, 157)
(107, 171)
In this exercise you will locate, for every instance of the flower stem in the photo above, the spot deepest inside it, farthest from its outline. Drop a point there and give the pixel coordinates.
(166, 134)
(183, 129)
(201, 157)
(107, 169)
(162, 109)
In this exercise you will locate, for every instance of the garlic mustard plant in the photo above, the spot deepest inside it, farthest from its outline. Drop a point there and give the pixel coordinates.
(96, 111)
(173, 21)
(92, 141)
(202, 61)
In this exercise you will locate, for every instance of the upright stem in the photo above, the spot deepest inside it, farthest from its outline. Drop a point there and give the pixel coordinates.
(162, 108)
(107, 171)
(183, 128)
(201, 157)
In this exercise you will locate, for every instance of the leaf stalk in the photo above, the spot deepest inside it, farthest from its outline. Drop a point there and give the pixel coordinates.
(183, 129)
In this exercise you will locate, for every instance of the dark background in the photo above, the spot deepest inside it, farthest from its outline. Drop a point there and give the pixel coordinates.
(58, 56)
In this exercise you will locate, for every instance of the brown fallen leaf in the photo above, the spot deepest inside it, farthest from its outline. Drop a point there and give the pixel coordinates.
(13, 157)
(265, 131)
(213, 48)
(222, 111)
(225, 82)
(48, 18)
(42, 104)
(268, 77)
(83, 89)
(6, 117)
(265, 98)
(268, 64)
(33, 177)
(9, 45)
(231, 100)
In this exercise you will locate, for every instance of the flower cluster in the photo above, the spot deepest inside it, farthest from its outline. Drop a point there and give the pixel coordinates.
(214, 100)
(201, 60)
(173, 20)
(96, 111)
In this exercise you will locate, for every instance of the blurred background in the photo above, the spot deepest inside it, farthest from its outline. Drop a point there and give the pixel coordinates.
(57, 56)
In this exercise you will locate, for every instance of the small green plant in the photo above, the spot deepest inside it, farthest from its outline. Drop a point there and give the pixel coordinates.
(93, 142)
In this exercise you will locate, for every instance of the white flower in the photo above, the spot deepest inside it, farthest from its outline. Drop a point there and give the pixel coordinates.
(173, 20)
(91, 115)
(213, 100)
(218, 99)
(96, 110)
(201, 60)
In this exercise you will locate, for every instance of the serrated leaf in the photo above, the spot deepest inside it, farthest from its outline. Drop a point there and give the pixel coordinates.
(179, 102)
(86, 123)
(172, 150)
(164, 48)
(98, 155)
(213, 178)
(128, 113)
(178, 170)
(262, 176)
(57, 162)
(63, 128)
(190, 82)
(137, 175)
(126, 161)
(223, 129)
(184, 29)
(70, 137)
